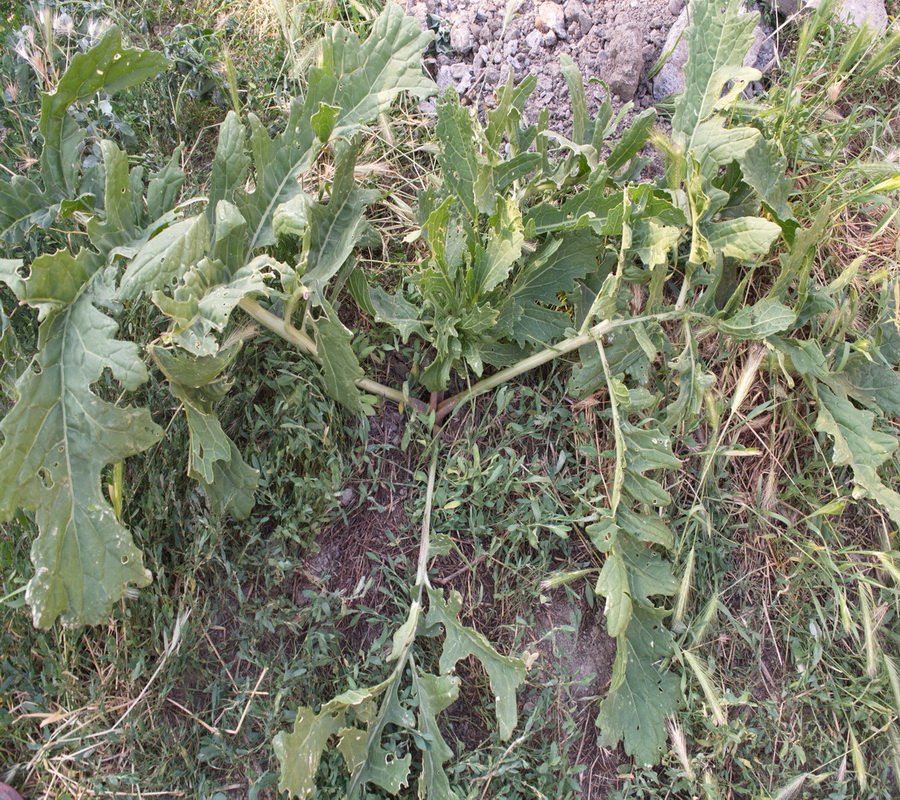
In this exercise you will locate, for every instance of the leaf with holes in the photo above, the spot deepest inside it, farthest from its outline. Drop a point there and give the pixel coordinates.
(643, 693)
(59, 437)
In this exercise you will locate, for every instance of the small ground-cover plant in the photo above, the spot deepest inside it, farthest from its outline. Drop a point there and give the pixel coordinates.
(514, 237)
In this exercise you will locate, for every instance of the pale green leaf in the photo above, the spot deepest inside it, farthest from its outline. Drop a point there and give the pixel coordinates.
(634, 712)
(578, 99)
(765, 318)
(397, 312)
(434, 693)
(742, 238)
(632, 140)
(362, 79)
(162, 192)
(871, 382)
(291, 218)
(370, 75)
(504, 247)
(60, 436)
(164, 260)
(612, 584)
(118, 225)
(859, 446)
(340, 366)
(109, 67)
(764, 168)
(191, 372)
(693, 383)
(230, 165)
(324, 120)
(553, 270)
(22, 206)
(718, 40)
(715, 146)
(505, 673)
(300, 751)
(335, 228)
(458, 158)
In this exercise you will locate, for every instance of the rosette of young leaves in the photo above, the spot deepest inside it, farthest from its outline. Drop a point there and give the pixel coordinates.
(490, 289)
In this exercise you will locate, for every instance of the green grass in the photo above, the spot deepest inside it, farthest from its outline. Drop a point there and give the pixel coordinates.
(792, 610)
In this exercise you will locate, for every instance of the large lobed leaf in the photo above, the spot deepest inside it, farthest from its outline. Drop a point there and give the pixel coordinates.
(642, 693)
(859, 446)
(60, 436)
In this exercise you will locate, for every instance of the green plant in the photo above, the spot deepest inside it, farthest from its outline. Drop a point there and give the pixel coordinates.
(533, 255)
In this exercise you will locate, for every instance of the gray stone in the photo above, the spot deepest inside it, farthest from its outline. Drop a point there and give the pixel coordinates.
(854, 12)
(548, 39)
(860, 12)
(550, 17)
(625, 51)
(573, 9)
(670, 79)
(675, 6)
(461, 38)
(444, 79)
(533, 39)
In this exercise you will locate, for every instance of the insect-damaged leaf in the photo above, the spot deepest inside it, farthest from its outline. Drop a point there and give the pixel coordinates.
(642, 695)
(59, 437)
(859, 446)
(300, 751)
(718, 40)
(505, 673)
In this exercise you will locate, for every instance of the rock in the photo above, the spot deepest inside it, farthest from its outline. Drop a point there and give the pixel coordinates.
(854, 12)
(533, 39)
(550, 17)
(670, 79)
(548, 39)
(675, 6)
(860, 12)
(573, 9)
(625, 51)
(461, 38)
(444, 79)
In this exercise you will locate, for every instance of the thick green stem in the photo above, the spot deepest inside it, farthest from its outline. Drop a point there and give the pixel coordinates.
(536, 360)
(302, 342)
(425, 542)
